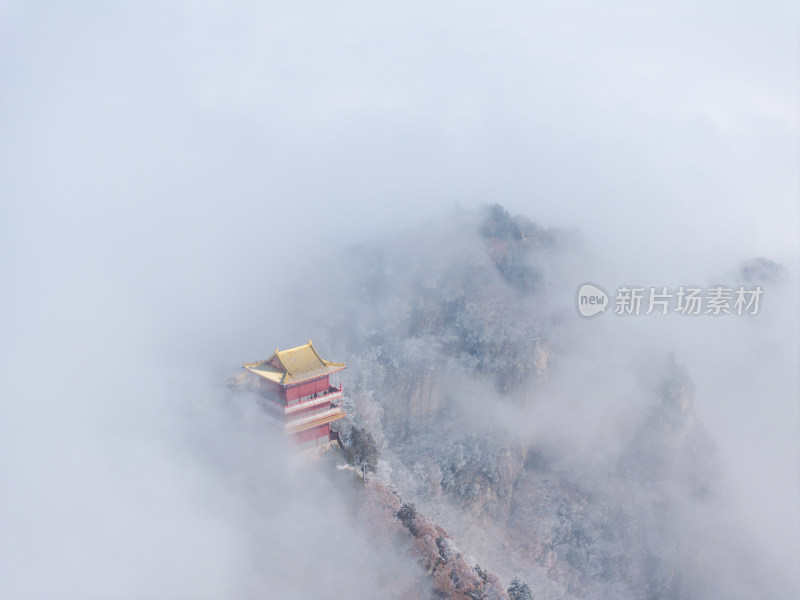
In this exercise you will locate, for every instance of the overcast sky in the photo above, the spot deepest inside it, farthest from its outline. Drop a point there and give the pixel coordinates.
(165, 166)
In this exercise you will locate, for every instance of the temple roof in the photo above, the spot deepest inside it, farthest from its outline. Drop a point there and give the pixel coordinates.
(295, 365)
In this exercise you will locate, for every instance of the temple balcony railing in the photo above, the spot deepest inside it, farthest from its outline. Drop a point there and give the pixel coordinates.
(332, 394)
(334, 413)
(298, 424)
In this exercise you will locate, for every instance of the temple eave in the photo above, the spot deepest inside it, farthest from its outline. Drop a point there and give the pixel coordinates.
(316, 423)
(287, 380)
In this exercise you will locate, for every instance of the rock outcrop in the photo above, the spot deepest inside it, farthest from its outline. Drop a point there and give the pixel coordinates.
(456, 338)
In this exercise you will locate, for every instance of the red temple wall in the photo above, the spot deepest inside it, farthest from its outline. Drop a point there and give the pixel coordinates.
(305, 436)
(312, 434)
(307, 388)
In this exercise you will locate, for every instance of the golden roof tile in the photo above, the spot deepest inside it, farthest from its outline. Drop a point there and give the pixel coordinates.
(294, 365)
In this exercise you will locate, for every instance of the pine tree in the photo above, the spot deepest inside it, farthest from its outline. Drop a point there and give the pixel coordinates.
(362, 450)
(408, 516)
(520, 590)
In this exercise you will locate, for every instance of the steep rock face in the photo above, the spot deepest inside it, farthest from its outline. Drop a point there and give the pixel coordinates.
(434, 313)
(671, 445)
(403, 390)
(610, 532)
(480, 473)
(455, 340)
(413, 403)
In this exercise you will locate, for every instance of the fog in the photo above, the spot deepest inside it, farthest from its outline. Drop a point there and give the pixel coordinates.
(683, 428)
(169, 173)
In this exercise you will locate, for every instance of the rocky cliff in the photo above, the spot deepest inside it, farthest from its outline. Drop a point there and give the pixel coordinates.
(459, 359)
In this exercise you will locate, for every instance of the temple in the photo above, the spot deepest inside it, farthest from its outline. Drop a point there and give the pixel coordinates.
(297, 388)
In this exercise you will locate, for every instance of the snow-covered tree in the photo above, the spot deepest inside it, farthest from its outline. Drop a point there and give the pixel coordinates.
(520, 590)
